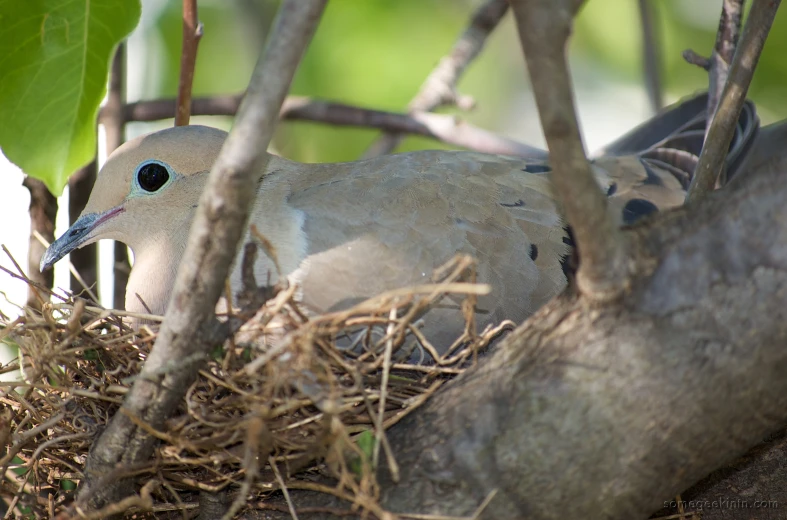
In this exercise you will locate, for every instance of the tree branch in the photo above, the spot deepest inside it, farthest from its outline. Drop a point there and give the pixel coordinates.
(733, 96)
(114, 121)
(444, 128)
(591, 411)
(440, 86)
(219, 224)
(723, 53)
(43, 211)
(447, 129)
(84, 259)
(544, 27)
(651, 59)
(192, 32)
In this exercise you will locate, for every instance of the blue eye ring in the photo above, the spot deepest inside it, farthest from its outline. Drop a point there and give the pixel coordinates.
(151, 176)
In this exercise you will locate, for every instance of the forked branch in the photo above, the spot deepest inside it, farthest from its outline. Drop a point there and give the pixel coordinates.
(720, 134)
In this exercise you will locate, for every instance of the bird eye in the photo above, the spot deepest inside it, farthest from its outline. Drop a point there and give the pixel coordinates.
(152, 176)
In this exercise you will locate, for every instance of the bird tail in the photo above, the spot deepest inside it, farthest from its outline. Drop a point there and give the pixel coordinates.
(673, 139)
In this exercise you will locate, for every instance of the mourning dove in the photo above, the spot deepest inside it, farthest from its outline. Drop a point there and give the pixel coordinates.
(347, 231)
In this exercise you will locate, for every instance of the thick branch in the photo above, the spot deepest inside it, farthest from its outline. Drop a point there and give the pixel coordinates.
(192, 32)
(182, 343)
(440, 86)
(733, 96)
(447, 129)
(544, 27)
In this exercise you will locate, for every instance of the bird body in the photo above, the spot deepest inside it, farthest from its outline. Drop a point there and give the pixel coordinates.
(347, 231)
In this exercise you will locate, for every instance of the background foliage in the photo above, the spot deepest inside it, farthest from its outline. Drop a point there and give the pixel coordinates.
(373, 53)
(54, 59)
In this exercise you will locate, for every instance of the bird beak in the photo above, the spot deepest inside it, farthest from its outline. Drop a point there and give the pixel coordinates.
(76, 236)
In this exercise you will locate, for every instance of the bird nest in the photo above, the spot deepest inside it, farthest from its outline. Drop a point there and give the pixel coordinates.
(287, 402)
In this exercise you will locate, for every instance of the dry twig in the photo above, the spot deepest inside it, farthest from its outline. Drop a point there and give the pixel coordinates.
(440, 86)
(306, 402)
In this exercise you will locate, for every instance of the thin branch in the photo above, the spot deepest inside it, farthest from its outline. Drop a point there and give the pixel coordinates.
(84, 259)
(192, 32)
(651, 58)
(159, 109)
(43, 210)
(440, 86)
(448, 129)
(723, 53)
(189, 323)
(114, 121)
(692, 58)
(733, 96)
(113, 113)
(544, 27)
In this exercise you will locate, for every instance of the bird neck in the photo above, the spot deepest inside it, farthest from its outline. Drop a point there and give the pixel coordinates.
(152, 276)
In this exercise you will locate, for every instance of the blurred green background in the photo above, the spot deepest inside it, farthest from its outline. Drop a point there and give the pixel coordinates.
(376, 53)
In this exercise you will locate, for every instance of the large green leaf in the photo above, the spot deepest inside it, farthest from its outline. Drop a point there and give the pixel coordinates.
(54, 62)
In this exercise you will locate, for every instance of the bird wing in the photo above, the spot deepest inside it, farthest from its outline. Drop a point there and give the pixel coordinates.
(389, 222)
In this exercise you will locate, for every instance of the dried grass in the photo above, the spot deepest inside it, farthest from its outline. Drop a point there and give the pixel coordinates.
(280, 402)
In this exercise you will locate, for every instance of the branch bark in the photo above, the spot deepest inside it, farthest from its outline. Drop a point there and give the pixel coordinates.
(219, 223)
(747, 55)
(440, 86)
(444, 128)
(192, 32)
(544, 27)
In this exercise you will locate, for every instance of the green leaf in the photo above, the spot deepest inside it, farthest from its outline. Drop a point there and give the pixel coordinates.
(366, 441)
(54, 58)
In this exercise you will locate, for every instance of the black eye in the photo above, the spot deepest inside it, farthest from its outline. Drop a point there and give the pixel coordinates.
(152, 176)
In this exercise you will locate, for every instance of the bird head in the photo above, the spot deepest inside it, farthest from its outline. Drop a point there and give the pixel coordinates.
(149, 187)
